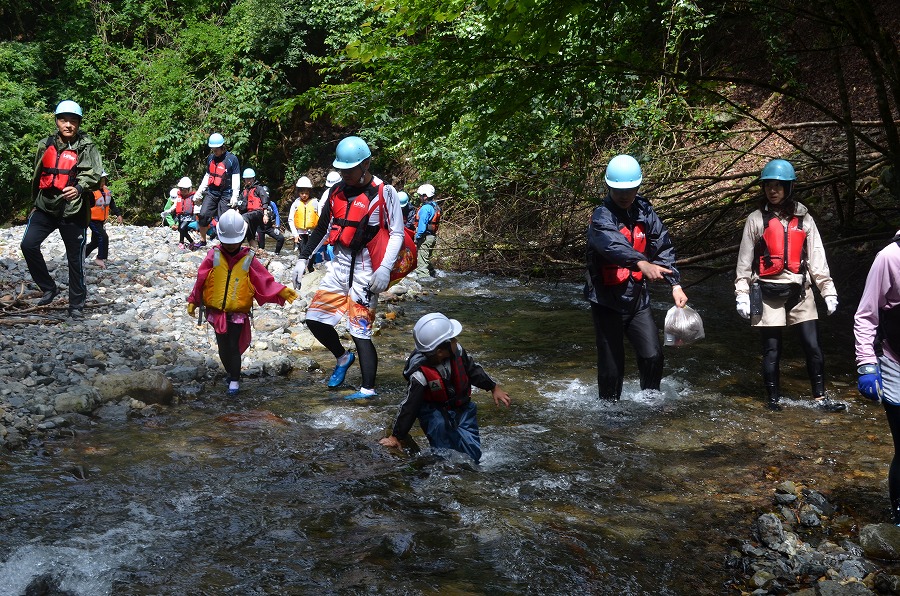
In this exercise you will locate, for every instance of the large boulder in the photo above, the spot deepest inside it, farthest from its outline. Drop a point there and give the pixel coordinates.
(881, 541)
(148, 386)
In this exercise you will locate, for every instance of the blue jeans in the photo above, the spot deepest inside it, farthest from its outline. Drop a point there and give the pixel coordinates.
(459, 431)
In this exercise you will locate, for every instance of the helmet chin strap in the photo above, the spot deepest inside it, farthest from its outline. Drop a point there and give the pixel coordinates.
(362, 177)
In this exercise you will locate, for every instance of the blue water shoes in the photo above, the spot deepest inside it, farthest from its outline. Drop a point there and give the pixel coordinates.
(360, 395)
(340, 371)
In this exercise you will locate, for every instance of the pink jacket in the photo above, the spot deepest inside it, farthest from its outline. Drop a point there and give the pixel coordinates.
(882, 291)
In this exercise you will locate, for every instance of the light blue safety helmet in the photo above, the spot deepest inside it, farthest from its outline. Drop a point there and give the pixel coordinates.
(778, 169)
(404, 198)
(216, 140)
(67, 106)
(351, 152)
(623, 172)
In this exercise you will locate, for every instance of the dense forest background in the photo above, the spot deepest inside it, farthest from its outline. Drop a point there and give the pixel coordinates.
(511, 108)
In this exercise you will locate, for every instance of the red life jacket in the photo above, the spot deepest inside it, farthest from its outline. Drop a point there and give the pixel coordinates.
(613, 275)
(436, 388)
(779, 246)
(252, 200)
(217, 171)
(350, 216)
(353, 229)
(185, 204)
(102, 200)
(435, 223)
(57, 168)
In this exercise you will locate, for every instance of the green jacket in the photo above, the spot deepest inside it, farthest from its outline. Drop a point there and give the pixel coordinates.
(88, 170)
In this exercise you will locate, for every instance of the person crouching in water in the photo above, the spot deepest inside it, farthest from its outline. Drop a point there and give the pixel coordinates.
(228, 280)
(441, 375)
(783, 230)
(628, 246)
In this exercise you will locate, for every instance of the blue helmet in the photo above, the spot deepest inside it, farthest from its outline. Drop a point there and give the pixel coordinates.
(67, 106)
(351, 152)
(404, 198)
(778, 169)
(216, 140)
(623, 172)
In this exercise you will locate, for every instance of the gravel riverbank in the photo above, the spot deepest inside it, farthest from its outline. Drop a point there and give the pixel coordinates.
(136, 347)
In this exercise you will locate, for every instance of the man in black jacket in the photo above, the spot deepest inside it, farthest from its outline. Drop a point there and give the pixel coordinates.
(628, 245)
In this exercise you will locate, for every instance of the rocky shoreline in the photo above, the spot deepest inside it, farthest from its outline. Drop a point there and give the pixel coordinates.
(136, 348)
(806, 547)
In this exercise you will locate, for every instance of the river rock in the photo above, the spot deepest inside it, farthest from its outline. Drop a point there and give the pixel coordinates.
(79, 399)
(149, 386)
(769, 529)
(881, 541)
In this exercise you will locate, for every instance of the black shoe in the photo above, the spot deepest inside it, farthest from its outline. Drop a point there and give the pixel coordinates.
(77, 314)
(773, 404)
(48, 297)
(828, 405)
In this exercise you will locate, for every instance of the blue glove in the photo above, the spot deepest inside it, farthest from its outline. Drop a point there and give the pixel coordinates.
(869, 383)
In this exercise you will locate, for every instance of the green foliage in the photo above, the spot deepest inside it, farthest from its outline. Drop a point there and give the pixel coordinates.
(21, 121)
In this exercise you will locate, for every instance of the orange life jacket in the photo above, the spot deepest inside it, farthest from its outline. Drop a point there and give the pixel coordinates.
(102, 200)
(610, 273)
(184, 205)
(436, 388)
(779, 247)
(432, 226)
(217, 171)
(57, 168)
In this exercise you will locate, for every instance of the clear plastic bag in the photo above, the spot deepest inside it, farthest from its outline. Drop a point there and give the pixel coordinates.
(683, 326)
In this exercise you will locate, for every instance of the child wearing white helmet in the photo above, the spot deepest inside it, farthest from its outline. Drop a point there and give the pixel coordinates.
(304, 213)
(440, 375)
(228, 281)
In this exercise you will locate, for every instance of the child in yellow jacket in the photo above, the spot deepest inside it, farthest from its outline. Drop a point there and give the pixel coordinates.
(229, 279)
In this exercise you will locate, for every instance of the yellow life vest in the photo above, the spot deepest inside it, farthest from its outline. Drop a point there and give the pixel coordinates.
(229, 288)
(305, 216)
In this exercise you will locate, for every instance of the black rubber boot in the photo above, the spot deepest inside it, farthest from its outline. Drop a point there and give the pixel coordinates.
(773, 391)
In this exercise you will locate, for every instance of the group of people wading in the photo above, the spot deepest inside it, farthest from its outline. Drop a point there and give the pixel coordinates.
(374, 240)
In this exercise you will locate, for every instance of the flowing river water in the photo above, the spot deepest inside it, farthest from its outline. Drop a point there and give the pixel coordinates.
(284, 490)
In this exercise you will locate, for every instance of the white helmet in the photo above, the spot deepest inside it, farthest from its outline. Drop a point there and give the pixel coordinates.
(231, 228)
(173, 194)
(249, 173)
(426, 189)
(304, 182)
(434, 329)
(332, 179)
(185, 183)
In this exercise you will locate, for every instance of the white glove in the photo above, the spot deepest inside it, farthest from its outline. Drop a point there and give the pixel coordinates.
(299, 270)
(743, 305)
(831, 302)
(163, 213)
(233, 202)
(380, 280)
